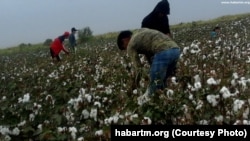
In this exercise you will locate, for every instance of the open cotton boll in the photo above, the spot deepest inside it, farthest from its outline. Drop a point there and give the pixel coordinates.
(213, 99)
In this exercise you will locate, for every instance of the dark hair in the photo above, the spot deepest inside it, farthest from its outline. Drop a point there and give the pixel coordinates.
(121, 36)
(217, 27)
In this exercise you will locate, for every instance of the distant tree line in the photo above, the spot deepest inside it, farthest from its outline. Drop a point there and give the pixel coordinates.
(83, 35)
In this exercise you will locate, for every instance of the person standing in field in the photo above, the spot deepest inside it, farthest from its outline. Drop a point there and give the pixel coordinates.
(57, 46)
(72, 40)
(160, 50)
(215, 32)
(158, 18)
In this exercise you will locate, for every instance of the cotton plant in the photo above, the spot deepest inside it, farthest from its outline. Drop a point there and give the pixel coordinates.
(93, 113)
(73, 131)
(54, 75)
(237, 105)
(170, 93)
(226, 92)
(194, 47)
(146, 121)
(243, 83)
(99, 132)
(85, 114)
(143, 98)
(50, 99)
(212, 81)
(200, 104)
(25, 99)
(76, 102)
(213, 99)
(113, 119)
(219, 118)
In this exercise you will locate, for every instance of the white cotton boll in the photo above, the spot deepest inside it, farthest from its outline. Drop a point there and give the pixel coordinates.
(185, 108)
(143, 99)
(133, 116)
(246, 122)
(194, 51)
(238, 105)
(4, 98)
(190, 97)
(233, 82)
(197, 85)
(203, 122)
(26, 98)
(135, 91)
(82, 91)
(20, 100)
(100, 86)
(105, 99)
(97, 103)
(236, 35)
(243, 83)
(173, 80)
(72, 129)
(88, 97)
(85, 114)
(246, 113)
(15, 131)
(204, 57)
(212, 99)
(149, 121)
(248, 59)
(185, 50)
(218, 41)
(61, 129)
(237, 122)
(225, 92)
(71, 101)
(170, 93)
(99, 133)
(108, 90)
(4, 130)
(64, 83)
(197, 78)
(211, 81)
(31, 117)
(108, 121)
(199, 105)
(116, 119)
(93, 114)
(22, 123)
(80, 139)
(235, 75)
(219, 118)
(73, 132)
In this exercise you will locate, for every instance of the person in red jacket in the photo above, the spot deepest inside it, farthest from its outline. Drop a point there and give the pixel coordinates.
(57, 46)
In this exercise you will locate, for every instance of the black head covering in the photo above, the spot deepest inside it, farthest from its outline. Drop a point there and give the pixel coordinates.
(162, 7)
(153, 21)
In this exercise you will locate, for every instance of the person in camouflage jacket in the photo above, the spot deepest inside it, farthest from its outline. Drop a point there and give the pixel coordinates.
(161, 52)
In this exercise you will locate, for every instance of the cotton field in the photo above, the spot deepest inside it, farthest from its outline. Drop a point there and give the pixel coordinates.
(79, 98)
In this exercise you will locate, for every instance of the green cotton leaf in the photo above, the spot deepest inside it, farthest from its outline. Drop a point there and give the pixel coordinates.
(57, 119)
(28, 130)
(148, 113)
(47, 135)
(4, 107)
(37, 132)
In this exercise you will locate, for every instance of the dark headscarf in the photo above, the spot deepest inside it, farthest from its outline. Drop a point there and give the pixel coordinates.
(153, 21)
(162, 7)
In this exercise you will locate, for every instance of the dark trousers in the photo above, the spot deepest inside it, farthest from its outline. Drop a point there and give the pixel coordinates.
(53, 55)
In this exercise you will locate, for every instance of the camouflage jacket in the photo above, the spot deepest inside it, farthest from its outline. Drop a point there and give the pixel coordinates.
(147, 42)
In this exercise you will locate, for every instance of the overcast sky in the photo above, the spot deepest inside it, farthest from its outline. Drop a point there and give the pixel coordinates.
(34, 21)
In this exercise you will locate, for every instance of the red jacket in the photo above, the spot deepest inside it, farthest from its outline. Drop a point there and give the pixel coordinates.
(57, 46)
